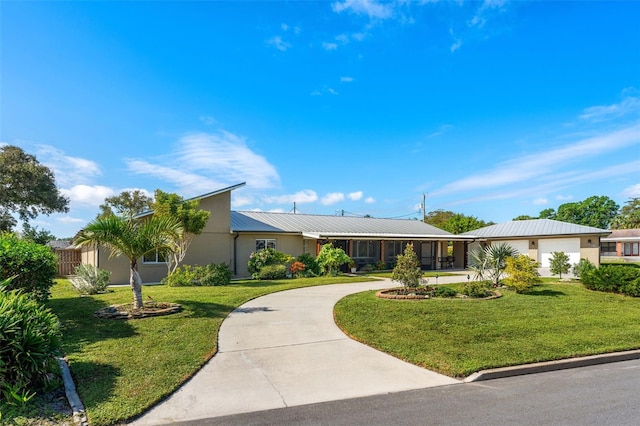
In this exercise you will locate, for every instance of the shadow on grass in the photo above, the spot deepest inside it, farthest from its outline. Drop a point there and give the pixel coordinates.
(204, 309)
(95, 381)
(546, 292)
(81, 328)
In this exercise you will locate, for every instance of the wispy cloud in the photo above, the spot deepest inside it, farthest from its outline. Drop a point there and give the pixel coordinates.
(325, 91)
(69, 219)
(371, 8)
(564, 197)
(301, 197)
(68, 170)
(332, 198)
(632, 191)
(441, 131)
(355, 196)
(346, 79)
(370, 200)
(480, 18)
(278, 43)
(88, 195)
(208, 120)
(540, 201)
(329, 46)
(205, 161)
(629, 105)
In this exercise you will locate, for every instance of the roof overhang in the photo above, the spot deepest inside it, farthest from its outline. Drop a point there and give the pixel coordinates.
(381, 236)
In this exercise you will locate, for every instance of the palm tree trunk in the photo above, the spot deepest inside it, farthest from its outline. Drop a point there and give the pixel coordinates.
(136, 286)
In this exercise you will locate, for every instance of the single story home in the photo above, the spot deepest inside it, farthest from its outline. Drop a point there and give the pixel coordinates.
(621, 244)
(539, 238)
(231, 236)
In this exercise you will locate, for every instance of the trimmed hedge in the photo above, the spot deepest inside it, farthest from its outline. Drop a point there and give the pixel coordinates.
(209, 275)
(273, 272)
(613, 279)
(32, 266)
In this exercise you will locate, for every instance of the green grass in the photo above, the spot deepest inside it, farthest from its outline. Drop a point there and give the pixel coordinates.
(121, 368)
(427, 274)
(459, 337)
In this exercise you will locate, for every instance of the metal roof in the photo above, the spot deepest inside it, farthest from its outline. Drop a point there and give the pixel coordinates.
(534, 228)
(321, 226)
(623, 235)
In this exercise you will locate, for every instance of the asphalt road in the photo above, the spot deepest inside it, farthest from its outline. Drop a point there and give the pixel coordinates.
(607, 394)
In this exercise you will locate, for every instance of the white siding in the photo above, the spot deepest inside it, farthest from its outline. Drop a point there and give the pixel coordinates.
(521, 245)
(570, 246)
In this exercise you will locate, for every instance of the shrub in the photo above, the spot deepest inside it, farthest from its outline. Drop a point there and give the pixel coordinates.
(273, 272)
(297, 268)
(29, 341)
(330, 259)
(32, 265)
(559, 263)
(311, 267)
(209, 275)
(407, 270)
(267, 257)
(581, 268)
(476, 288)
(441, 291)
(381, 265)
(523, 273)
(613, 279)
(90, 280)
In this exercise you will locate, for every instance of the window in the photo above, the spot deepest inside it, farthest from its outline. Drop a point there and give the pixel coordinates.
(366, 249)
(263, 244)
(631, 249)
(608, 249)
(392, 249)
(153, 257)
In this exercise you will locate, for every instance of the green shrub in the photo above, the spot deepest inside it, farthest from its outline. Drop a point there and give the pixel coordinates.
(407, 270)
(559, 263)
(331, 259)
(29, 341)
(381, 265)
(32, 265)
(581, 268)
(612, 278)
(266, 257)
(476, 288)
(311, 267)
(522, 273)
(209, 275)
(90, 280)
(273, 272)
(442, 291)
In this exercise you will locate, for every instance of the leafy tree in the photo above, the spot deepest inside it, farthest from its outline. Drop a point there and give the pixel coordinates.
(438, 218)
(559, 263)
(524, 217)
(192, 220)
(629, 215)
(455, 223)
(26, 187)
(331, 258)
(127, 204)
(595, 211)
(407, 270)
(522, 273)
(37, 236)
(491, 261)
(132, 239)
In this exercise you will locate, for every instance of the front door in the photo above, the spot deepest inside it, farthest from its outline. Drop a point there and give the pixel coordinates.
(428, 258)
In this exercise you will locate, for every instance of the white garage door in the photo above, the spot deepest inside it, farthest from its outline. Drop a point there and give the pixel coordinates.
(521, 245)
(570, 246)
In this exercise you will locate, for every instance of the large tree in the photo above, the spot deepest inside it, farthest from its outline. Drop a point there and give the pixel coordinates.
(127, 204)
(27, 188)
(192, 219)
(595, 211)
(456, 223)
(629, 216)
(132, 239)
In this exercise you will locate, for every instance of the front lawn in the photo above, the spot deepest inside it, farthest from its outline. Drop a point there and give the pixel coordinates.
(459, 337)
(122, 367)
(425, 275)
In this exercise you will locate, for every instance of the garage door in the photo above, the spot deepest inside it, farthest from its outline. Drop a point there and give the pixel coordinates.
(570, 246)
(521, 245)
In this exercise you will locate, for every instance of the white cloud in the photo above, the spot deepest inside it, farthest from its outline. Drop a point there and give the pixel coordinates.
(87, 195)
(332, 198)
(355, 196)
(441, 130)
(540, 201)
(276, 211)
(239, 201)
(632, 191)
(329, 46)
(627, 106)
(346, 79)
(301, 197)
(69, 219)
(371, 8)
(370, 200)
(208, 120)
(332, 91)
(278, 43)
(325, 91)
(67, 170)
(284, 27)
(564, 197)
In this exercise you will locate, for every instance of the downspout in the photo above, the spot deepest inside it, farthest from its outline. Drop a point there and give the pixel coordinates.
(235, 257)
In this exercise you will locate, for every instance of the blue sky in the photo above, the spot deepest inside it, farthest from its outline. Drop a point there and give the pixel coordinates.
(493, 109)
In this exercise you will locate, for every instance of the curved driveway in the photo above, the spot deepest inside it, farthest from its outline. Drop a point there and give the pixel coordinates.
(284, 349)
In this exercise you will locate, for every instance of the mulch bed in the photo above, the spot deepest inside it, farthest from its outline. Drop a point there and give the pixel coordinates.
(149, 309)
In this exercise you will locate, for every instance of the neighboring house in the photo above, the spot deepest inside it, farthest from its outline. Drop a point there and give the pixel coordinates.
(538, 238)
(231, 236)
(621, 244)
(68, 256)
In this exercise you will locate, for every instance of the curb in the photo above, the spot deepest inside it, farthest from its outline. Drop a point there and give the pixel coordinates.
(541, 367)
(79, 415)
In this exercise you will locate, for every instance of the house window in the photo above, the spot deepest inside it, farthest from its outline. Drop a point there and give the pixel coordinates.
(608, 249)
(631, 249)
(366, 250)
(392, 249)
(263, 244)
(153, 257)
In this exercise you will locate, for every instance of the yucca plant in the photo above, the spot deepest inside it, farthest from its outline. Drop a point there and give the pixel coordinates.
(491, 261)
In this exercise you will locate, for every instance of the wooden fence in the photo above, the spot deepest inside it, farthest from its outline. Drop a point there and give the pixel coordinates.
(68, 259)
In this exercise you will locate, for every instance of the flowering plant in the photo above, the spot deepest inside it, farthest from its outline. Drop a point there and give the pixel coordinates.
(297, 267)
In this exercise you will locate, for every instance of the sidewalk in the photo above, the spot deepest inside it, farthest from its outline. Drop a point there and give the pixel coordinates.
(284, 349)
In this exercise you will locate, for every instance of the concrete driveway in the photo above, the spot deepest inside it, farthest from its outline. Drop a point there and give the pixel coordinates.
(284, 349)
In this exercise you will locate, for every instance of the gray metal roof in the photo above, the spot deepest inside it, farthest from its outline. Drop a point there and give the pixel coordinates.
(623, 235)
(534, 228)
(320, 226)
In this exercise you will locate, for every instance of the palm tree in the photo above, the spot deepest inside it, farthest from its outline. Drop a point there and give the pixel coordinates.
(491, 261)
(132, 239)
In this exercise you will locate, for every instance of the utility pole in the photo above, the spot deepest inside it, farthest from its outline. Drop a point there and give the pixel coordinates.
(294, 207)
(424, 208)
